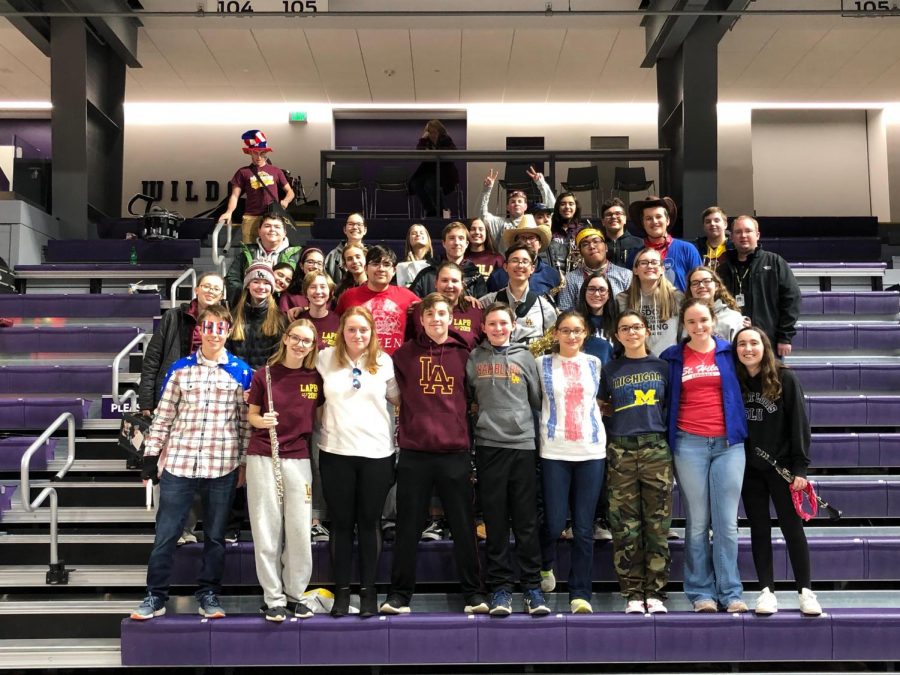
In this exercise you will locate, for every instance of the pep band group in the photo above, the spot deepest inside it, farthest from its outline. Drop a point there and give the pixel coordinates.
(544, 372)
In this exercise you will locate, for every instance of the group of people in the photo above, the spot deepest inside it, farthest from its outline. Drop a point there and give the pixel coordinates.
(483, 387)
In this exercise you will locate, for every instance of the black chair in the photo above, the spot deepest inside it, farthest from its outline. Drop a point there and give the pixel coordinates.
(517, 178)
(582, 179)
(392, 179)
(627, 179)
(348, 177)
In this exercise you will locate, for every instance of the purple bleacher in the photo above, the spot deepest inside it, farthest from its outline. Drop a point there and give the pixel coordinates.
(59, 379)
(520, 638)
(892, 487)
(250, 640)
(189, 558)
(878, 337)
(101, 267)
(699, 637)
(825, 377)
(173, 640)
(39, 413)
(80, 305)
(624, 638)
(835, 559)
(846, 411)
(815, 377)
(119, 250)
(6, 493)
(888, 450)
(450, 637)
(883, 411)
(876, 302)
(881, 558)
(345, 641)
(835, 450)
(859, 249)
(857, 499)
(865, 634)
(787, 636)
(13, 448)
(69, 339)
(825, 338)
(115, 229)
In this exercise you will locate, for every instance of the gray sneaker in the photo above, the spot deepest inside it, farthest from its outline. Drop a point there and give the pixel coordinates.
(210, 607)
(150, 607)
(277, 614)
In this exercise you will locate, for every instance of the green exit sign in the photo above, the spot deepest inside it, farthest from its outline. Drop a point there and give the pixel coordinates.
(298, 117)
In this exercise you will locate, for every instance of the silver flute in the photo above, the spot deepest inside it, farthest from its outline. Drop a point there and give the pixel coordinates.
(273, 438)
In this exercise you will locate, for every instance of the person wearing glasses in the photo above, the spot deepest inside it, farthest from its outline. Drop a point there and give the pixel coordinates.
(592, 248)
(354, 231)
(433, 436)
(516, 205)
(639, 463)
(573, 455)
(388, 304)
(654, 298)
(599, 309)
(177, 335)
(656, 215)
(356, 452)
(705, 284)
(619, 241)
(279, 477)
(311, 260)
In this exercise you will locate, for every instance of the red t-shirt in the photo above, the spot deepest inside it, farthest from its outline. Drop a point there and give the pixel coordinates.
(388, 308)
(701, 411)
(297, 393)
(327, 328)
(485, 261)
(259, 195)
(467, 325)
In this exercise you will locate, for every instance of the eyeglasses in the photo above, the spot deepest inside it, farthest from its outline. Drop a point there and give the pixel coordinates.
(317, 264)
(519, 261)
(633, 328)
(355, 225)
(206, 288)
(614, 214)
(596, 290)
(571, 332)
(649, 263)
(297, 340)
(702, 282)
(383, 264)
(356, 373)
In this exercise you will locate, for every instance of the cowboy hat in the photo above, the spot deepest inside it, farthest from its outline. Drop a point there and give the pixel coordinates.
(636, 209)
(527, 225)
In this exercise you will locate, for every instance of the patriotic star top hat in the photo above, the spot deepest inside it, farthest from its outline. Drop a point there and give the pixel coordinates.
(255, 141)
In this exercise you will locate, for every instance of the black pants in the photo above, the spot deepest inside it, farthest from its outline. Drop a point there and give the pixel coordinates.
(418, 473)
(424, 186)
(758, 487)
(354, 489)
(507, 492)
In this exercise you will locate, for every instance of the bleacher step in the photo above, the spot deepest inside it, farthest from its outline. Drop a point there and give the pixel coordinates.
(56, 653)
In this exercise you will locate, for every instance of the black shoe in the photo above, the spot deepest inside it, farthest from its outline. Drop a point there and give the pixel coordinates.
(341, 606)
(299, 610)
(232, 535)
(368, 602)
(388, 531)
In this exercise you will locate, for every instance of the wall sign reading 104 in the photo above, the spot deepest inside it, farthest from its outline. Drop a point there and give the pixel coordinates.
(870, 7)
(280, 6)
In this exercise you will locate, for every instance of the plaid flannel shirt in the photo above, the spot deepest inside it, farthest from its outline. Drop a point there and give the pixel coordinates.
(201, 419)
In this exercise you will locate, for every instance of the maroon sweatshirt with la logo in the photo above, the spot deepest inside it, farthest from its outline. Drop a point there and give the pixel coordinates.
(431, 379)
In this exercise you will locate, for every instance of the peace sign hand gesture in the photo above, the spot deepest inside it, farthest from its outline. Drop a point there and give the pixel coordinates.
(536, 176)
(491, 177)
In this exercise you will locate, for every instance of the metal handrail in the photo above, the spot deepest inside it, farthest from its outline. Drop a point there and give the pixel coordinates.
(140, 337)
(57, 574)
(220, 261)
(189, 272)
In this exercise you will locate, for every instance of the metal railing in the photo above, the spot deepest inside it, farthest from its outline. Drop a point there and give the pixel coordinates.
(131, 394)
(57, 574)
(220, 260)
(189, 272)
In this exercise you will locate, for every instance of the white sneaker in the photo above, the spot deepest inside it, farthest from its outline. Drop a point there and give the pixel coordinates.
(548, 581)
(601, 532)
(809, 606)
(634, 607)
(187, 537)
(656, 606)
(766, 603)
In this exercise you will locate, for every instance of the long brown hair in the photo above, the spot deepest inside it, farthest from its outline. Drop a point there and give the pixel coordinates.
(663, 294)
(272, 325)
(570, 314)
(768, 368)
(372, 351)
(721, 292)
(309, 361)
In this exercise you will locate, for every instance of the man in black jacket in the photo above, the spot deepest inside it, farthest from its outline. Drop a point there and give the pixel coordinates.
(455, 238)
(176, 337)
(762, 285)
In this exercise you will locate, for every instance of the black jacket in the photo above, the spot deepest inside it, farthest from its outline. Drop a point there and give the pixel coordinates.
(170, 342)
(473, 282)
(617, 251)
(255, 348)
(771, 294)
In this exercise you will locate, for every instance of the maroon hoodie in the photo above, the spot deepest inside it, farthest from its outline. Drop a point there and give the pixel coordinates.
(431, 378)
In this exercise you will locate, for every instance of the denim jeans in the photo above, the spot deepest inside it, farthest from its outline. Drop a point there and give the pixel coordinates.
(710, 474)
(176, 494)
(584, 479)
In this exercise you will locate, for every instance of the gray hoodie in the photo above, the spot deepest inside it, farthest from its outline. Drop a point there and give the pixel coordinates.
(505, 384)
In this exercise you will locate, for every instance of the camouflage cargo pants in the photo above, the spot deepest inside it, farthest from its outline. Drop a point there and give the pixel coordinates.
(640, 512)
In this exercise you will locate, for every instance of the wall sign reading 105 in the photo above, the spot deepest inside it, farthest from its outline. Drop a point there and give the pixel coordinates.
(848, 7)
(285, 6)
